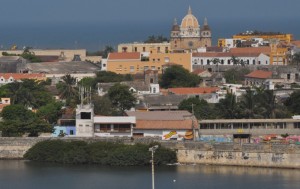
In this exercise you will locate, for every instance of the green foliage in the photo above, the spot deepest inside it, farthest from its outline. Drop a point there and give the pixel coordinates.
(228, 107)
(156, 39)
(50, 112)
(102, 153)
(102, 106)
(17, 120)
(202, 110)
(236, 75)
(68, 90)
(177, 76)
(28, 93)
(121, 98)
(88, 82)
(293, 103)
(107, 50)
(107, 77)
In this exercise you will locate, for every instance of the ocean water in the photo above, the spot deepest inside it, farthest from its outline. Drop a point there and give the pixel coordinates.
(95, 36)
(29, 175)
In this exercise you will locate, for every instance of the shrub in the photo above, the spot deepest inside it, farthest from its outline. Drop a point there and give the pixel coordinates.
(102, 153)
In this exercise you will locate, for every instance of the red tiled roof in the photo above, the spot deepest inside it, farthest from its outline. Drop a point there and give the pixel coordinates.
(260, 74)
(19, 76)
(251, 50)
(227, 54)
(124, 56)
(198, 71)
(165, 124)
(199, 90)
(296, 43)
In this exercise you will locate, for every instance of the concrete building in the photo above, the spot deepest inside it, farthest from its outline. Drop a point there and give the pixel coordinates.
(132, 63)
(247, 130)
(114, 126)
(144, 48)
(166, 125)
(189, 35)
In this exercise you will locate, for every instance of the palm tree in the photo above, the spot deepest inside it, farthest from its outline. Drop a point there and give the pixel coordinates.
(248, 103)
(235, 60)
(68, 89)
(216, 62)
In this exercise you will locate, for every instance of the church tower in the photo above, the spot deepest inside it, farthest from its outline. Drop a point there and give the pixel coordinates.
(206, 34)
(188, 36)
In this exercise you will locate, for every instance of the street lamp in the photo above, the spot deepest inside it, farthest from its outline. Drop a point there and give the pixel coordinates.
(152, 149)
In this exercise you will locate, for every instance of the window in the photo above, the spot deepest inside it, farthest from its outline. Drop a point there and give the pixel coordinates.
(248, 61)
(85, 115)
(135, 49)
(87, 125)
(154, 90)
(266, 62)
(207, 61)
(144, 49)
(103, 65)
(228, 61)
(152, 67)
(201, 61)
(253, 62)
(166, 49)
(71, 132)
(158, 49)
(258, 62)
(131, 68)
(146, 67)
(153, 60)
(158, 59)
(80, 125)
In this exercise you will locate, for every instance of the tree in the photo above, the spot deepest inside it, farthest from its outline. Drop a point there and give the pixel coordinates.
(88, 82)
(228, 107)
(103, 106)
(216, 62)
(108, 76)
(68, 90)
(156, 39)
(28, 92)
(236, 75)
(200, 108)
(293, 103)
(177, 76)
(17, 120)
(248, 103)
(50, 112)
(235, 60)
(107, 50)
(121, 98)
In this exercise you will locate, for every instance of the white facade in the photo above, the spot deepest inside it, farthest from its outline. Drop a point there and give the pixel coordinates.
(85, 120)
(104, 65)
(113, 123)
(261, 59)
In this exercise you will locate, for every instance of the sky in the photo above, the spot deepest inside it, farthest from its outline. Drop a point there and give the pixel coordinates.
(102, 11)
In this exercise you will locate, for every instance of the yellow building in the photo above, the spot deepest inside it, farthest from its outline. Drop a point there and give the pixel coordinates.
(144, 47)
(266, 36)
(132, 63)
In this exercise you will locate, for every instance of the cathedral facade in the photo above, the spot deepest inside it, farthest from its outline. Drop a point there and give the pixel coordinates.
(189, 35)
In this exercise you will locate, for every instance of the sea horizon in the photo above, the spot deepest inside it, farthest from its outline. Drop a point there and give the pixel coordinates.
(95, 36)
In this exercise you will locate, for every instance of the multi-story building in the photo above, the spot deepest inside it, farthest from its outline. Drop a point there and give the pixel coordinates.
(189, 36)
(144, 48)
(132, 63)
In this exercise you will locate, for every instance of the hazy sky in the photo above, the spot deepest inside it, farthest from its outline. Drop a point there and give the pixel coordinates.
(101, 11)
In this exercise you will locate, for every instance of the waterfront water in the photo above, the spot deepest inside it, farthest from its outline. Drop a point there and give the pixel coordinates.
(28, 175)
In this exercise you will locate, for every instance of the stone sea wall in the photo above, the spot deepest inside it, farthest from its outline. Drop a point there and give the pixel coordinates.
(259, 155)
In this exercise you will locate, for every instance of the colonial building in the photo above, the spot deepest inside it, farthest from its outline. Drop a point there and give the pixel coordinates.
(189, 35)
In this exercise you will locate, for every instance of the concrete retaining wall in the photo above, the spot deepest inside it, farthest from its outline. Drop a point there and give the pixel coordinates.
(260, 155)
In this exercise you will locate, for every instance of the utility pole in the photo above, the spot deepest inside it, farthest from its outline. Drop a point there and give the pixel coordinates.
(152, 149)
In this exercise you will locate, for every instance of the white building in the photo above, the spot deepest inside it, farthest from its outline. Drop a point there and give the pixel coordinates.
(225, 58)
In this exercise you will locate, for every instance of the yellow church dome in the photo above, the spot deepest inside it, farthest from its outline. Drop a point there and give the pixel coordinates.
(189, 20)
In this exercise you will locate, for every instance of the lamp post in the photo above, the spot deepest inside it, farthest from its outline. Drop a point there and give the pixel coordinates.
(152, 149)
